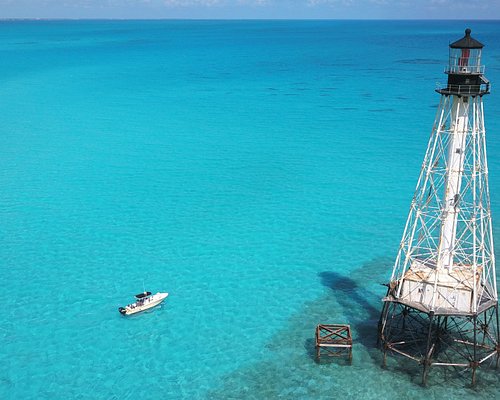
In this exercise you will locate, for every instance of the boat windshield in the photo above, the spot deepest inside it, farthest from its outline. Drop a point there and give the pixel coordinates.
(143, 295)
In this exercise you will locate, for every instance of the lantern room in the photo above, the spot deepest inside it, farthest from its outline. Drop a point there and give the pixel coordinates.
(465, 56)
(465, 72)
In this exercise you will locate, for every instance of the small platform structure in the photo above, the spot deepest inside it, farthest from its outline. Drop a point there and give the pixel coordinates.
(333, 341)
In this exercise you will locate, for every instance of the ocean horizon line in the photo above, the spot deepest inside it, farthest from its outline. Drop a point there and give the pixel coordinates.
(249, 19)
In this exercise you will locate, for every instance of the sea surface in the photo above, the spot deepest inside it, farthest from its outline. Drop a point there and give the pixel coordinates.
(259, 171)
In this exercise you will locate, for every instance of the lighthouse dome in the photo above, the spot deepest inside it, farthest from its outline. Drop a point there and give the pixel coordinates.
(467, 42)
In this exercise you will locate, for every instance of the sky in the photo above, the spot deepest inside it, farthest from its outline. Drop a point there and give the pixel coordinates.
(250, 9)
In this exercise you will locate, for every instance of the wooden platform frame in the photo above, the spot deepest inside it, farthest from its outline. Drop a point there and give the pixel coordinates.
(333, 340)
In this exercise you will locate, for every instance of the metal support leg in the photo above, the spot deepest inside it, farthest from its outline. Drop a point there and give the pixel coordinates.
(428, 351)
(474, 363)
(405, 314)
(498, 338)
(381, 321)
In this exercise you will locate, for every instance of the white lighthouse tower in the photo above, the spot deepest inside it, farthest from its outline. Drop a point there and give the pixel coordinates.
(441, 308)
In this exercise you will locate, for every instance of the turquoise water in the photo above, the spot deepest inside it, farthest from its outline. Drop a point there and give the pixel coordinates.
(260, 172)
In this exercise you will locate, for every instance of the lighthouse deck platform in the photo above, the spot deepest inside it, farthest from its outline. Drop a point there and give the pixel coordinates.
(483, 306)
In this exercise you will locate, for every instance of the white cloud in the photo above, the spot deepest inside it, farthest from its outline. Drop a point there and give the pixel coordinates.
(348, 3)
(119, 3)
(315, 3)
(189, 3)
(211, 3)
(395, 3)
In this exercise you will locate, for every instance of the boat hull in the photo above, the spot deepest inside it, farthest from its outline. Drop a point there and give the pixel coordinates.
(140, 306)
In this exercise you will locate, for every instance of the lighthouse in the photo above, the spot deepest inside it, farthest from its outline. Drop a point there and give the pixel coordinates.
(441, 306)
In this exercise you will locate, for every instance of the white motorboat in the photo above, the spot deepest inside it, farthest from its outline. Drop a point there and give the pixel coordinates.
(144, 302)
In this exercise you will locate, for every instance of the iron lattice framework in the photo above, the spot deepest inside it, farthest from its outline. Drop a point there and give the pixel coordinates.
(441, 307)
